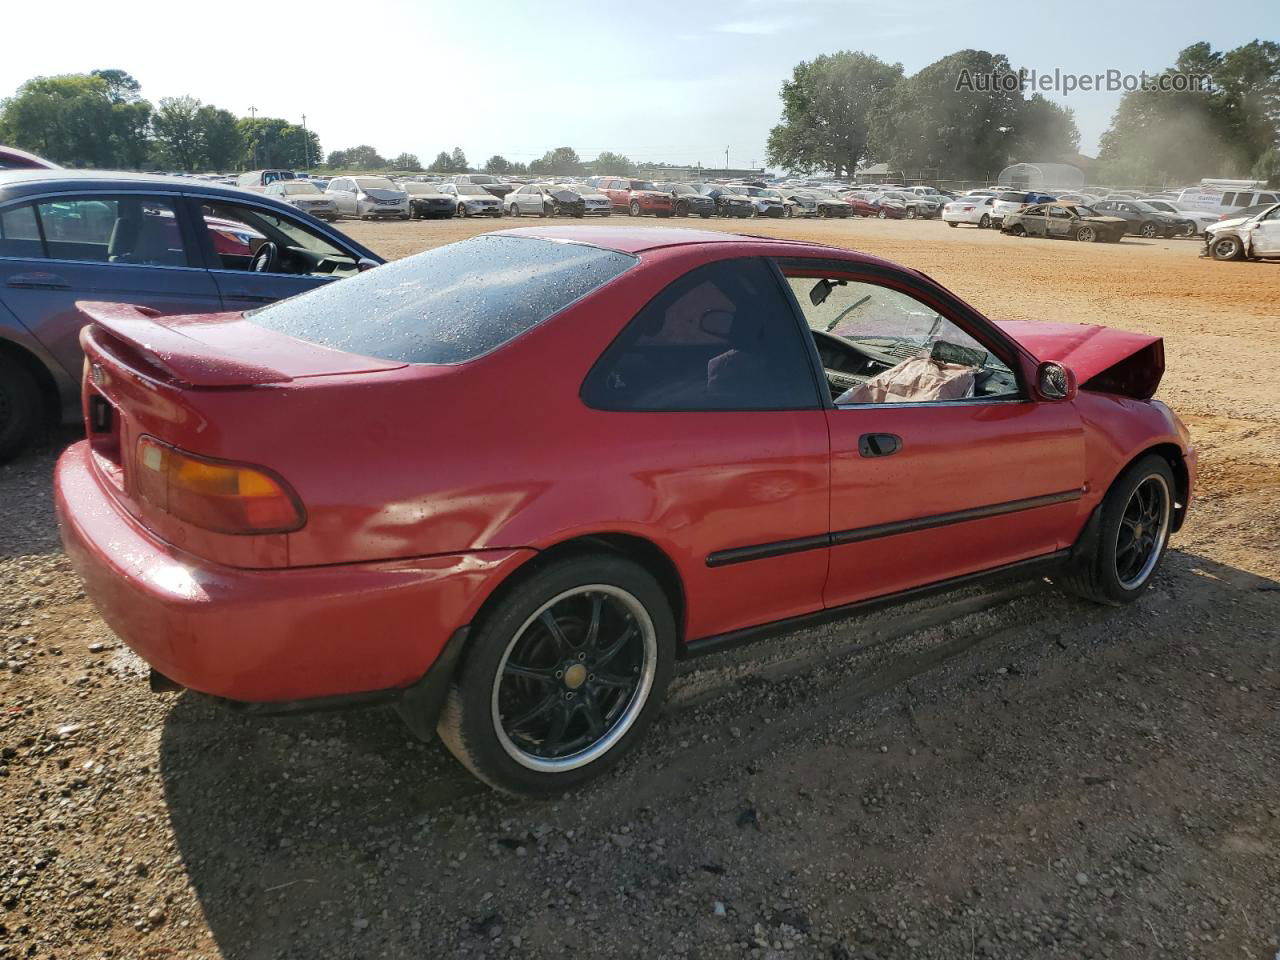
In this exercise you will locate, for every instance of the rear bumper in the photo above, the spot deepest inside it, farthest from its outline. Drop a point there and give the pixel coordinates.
(266, 636)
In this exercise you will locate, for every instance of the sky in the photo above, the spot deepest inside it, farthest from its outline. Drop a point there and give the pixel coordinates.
(658, 81)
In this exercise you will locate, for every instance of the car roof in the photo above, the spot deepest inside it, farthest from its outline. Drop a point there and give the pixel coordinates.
(641, 239)
(18, 182)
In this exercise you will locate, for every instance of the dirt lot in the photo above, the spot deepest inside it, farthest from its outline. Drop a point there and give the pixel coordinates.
(1002, 773)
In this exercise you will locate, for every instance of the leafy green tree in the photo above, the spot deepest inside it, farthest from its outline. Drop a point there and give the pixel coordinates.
(497, 165)
(220, 136)
(561, 160)
(406, 161)
(177, 130)
(1179, 135)
(1268, 167)
(1045, 130)
(613, 163)
(131, 132)
(443, 163)
(458, 161)
(273, 142)
(121, 87)
(363, 157)
(933, 124)
(67, 119)
(825, 107)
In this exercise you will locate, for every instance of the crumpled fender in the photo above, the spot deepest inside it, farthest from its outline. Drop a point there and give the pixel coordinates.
(1106, 360)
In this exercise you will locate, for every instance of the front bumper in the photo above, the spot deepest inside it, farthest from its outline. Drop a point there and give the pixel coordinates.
(378, 210)
(266, 636)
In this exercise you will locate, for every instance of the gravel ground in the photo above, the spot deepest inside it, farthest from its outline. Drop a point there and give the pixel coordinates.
(1005, 772)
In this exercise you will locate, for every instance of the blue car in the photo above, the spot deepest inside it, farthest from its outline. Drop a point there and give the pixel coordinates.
(175, 245)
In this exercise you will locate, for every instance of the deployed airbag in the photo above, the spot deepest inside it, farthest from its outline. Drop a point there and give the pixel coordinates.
(917, 380)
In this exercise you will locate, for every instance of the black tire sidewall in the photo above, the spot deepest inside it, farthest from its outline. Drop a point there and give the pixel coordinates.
(1105, 580)
(22, 396)
(467, 728)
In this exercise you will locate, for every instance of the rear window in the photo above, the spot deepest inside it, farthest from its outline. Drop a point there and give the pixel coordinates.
(1013, 197)
(450, 304)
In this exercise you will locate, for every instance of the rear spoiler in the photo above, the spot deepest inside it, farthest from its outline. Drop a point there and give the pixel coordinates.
(180, 357)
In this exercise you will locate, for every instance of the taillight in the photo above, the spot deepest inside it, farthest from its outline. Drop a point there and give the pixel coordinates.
(215, 494)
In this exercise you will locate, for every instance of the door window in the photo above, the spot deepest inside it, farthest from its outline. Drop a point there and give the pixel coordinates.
(880, 345)
(722, 337)
(19, 233)
(237, 232)
(126, 230)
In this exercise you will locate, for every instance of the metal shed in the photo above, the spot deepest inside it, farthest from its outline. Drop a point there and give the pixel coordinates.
(1042, 176)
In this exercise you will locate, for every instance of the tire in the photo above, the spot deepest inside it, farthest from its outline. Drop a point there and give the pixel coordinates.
(21, 408)
(1017, 230)
(952, 223)
(1149, 231)
(413, 214)
(911, 213)
(462, 210)
(882, 215)
(634, 209)
(705, 216)
(1113, 574)
(985, 222)
(545, 212)
(682, 208)
(787, 213)
(1087, 234)
(513, 211)
(511, 756)
(1227, 248)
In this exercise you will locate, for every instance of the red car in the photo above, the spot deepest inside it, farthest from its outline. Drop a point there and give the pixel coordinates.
(636, 197)
(507, 500)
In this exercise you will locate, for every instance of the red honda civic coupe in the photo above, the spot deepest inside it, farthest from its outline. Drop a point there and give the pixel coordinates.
(504, 484)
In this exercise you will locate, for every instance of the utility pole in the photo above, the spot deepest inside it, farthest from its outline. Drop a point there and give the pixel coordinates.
(253, 112)
(306, 144)
(726, 159)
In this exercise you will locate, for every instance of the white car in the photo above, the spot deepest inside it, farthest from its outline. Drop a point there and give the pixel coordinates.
(974, 210)
(1201, 218)
(472, 200)
(305, 196)
(1245, 238)
(368, 198)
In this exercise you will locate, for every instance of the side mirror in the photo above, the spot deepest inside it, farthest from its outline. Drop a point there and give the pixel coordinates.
(364, 263)
(1055, 381)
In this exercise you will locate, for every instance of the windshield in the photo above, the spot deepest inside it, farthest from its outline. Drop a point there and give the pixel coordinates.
(375, 183)
(1012, 197)
(450, 304)
(418, 188)
(483, 178)
(683, 189)
(301, 186)
(642, 185)
(473, 190)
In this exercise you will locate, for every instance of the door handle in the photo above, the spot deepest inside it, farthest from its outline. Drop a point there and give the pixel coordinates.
(251, 297)
(38, 281)
(879, 444)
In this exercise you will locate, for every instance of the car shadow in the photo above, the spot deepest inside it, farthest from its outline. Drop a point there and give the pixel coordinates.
(318, 821)
(27, 494)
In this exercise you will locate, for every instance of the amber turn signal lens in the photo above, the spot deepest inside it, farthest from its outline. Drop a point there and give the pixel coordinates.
(217, 495)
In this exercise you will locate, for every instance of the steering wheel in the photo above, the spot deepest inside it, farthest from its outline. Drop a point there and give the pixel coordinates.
(266, 259)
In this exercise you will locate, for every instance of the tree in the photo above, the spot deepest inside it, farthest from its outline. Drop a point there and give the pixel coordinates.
(67, 119)
(458, 161)
(1045, 130)
(497, 165)
(443, 163)
(273, 142)
(613, 163)
(1268, 168)
(934, 124)
(121, 87)
(363, 157)
(406, 161)
(560, 161)
(177, 129)
(1179, 135)
(825, 106)
(131, 132)
(220, 137)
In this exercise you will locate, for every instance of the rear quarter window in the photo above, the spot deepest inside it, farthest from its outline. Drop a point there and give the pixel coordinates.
(450, 304)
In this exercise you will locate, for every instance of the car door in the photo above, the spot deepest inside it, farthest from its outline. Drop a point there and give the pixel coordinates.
(117, 247)
(932, 485)
(344, 195)
(1266, 234)
(1033, 221)
(710, 392)
(241, 288)
(1059, 222)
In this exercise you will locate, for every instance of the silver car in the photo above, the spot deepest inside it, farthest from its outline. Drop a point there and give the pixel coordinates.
(368, 197)
(305, 196)
(472, 200)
